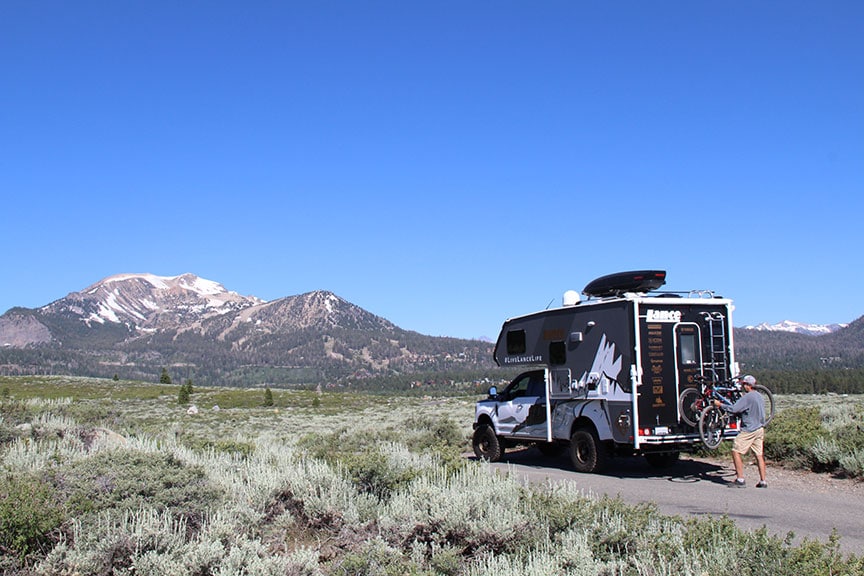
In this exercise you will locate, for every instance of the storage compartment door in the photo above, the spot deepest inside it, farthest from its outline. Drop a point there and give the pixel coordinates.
(658, 396)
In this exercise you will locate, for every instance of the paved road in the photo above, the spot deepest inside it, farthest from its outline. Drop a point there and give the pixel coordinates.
(697, 487)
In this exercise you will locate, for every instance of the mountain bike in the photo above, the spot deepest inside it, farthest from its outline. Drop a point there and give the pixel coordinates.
(696, 406)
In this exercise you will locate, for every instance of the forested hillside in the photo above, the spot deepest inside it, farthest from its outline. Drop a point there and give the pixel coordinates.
(798, 363)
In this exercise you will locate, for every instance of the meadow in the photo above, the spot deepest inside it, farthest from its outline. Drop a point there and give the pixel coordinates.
(101, 477)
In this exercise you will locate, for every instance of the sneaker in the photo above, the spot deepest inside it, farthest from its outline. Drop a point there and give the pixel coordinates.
(762, 484)
(738, 483)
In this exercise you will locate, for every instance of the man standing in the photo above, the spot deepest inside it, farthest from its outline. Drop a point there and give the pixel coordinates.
(751, 408)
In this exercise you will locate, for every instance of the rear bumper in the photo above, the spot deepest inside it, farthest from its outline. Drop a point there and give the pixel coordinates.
(679, 439)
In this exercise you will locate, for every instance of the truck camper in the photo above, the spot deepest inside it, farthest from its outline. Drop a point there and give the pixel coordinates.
(602, 376)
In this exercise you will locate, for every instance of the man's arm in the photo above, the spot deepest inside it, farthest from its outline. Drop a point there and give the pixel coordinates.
(741, 405)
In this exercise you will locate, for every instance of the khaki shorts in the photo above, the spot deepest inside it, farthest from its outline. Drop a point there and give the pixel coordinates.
(746, 441)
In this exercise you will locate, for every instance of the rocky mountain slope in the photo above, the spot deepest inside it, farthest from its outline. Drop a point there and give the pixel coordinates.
(134, 324)
(785, 350)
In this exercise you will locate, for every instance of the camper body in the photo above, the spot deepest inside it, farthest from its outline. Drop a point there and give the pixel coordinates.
(603, 376)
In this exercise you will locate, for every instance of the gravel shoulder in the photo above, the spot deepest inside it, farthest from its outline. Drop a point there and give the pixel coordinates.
(791, 479)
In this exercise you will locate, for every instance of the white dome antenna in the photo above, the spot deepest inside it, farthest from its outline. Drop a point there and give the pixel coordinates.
(571, 298)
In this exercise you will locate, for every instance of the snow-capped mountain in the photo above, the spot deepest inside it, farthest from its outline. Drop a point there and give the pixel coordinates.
(797, 328)
(147, 301)
(133, 325)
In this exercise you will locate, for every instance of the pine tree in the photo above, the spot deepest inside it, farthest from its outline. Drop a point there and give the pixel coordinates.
(165, 378)
(268, 397)
(183, 396)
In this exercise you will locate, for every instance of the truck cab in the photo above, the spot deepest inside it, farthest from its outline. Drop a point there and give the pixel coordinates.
(519, 409)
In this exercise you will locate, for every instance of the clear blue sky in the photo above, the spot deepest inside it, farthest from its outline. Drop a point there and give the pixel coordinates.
(442, 164)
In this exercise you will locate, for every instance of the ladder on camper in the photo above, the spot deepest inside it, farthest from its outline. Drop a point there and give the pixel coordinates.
(718, 351)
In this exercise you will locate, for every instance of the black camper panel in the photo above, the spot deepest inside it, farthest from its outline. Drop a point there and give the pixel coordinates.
(580, 345)
(678, 341)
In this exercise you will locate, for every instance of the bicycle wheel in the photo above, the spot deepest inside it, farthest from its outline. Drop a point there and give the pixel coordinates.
(690, 405)
(712, 422)
(768, 398)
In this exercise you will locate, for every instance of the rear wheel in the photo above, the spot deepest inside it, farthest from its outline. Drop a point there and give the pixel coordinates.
(689, 406)
(768, 398)
(586, 452)
(486, 444)
(712, 423)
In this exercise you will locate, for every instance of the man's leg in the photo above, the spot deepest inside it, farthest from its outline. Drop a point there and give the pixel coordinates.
(760, 460)
(739, 464)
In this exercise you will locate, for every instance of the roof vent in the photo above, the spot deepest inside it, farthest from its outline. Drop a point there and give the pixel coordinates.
(571, 298)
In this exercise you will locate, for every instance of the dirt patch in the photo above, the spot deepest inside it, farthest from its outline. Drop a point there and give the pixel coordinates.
(789, 478)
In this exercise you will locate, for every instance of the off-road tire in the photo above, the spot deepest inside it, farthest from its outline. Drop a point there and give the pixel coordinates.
(712, 424)
(768, 397)
(486, 444)
(586, 452)
(687, 406)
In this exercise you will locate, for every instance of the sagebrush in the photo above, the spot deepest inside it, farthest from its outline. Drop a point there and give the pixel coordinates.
(345, 485)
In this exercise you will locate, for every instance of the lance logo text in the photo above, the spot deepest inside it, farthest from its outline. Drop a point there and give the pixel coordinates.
(663, 315)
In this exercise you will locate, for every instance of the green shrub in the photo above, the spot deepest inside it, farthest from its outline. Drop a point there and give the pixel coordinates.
(375, 558)
(821, 559)
(29, 511)
(791, 435)
(127, 480)
(372, 473)
(429, 432)
(14, 411)
(183, 395)
(7, 432)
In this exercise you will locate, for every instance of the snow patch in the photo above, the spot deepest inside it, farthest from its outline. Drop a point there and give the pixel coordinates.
(152, 279)
(108, 314)
(329, 303)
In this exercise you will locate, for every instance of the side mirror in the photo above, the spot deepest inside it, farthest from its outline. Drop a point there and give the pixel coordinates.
(493, 391)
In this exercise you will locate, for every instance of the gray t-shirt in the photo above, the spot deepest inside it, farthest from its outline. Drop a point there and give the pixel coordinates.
(751, 407)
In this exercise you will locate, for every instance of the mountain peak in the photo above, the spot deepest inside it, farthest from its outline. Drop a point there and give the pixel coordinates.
(797, 328)
(320, 308)
(146, 300)
(186, 281)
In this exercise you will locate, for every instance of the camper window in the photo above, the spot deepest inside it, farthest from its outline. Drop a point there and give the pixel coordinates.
(515, 342)
(688, 348)
(557, 353)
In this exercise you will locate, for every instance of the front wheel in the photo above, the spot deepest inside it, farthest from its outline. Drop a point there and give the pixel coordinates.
(486, 444)
(586, 452)
(712, 423)
(768, 399)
